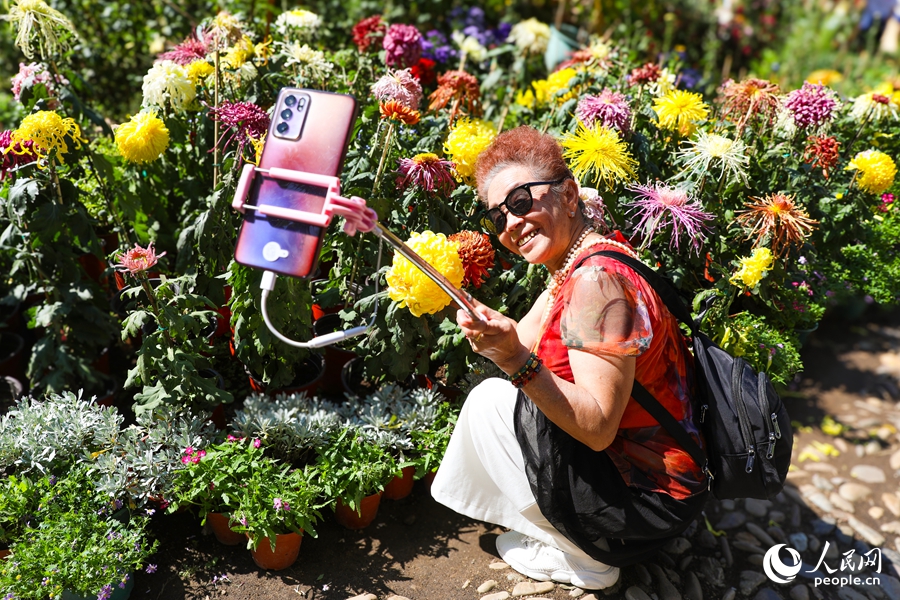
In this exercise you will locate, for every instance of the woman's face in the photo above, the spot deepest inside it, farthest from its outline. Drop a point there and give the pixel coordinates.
(543, 235)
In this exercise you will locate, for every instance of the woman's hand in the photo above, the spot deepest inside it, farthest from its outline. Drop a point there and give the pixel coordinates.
(494, 338)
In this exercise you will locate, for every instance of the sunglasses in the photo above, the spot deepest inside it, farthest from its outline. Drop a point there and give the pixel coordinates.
(518, 202)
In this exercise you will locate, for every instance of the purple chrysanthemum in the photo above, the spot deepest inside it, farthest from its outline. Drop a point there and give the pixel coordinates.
(186, 52)
(660, 205)
(402, 45)
(399, 85)
(427, 171)
(812, 105)
(14, 155)
(245, 119)
(34, 74)
(609, 108)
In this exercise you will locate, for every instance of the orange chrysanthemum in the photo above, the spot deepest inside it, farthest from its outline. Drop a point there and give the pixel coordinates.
(778, 218)
(477, 256)
(822, 152)
(398, 111)
(460, 87)
(741, 101)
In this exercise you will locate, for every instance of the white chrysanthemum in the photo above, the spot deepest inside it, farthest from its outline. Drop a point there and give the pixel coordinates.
(310, 63)
(168, 83)
(530, 36)
(299, 21)
(711, 150)
(244, 74)
(470, 46)
(663, 85)
(876, 105)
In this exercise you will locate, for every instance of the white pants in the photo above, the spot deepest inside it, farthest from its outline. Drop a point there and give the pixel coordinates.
(483, 476)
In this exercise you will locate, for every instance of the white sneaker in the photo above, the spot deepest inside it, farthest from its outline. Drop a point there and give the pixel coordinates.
(537, 560)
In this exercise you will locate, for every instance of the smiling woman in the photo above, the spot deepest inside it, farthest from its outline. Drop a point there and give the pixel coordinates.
(561, 454)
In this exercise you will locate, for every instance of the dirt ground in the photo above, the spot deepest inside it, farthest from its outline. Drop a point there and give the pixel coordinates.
(418, 549)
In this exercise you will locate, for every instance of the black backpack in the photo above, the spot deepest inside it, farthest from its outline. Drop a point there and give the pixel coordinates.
(746, 426)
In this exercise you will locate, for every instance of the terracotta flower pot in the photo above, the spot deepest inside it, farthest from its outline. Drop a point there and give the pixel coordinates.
(368, 510)
(401, 485)
(287, 547)
(428, 479)
(219, 523)
(4, 552)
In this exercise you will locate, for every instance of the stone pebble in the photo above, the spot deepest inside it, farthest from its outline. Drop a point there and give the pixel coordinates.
(398, 598)
(576, 592)
(731, 520)
(364, 597)
(868, 473)
(636, 593)
(750, 580)
(496, 596)
(757, 508)
(487, 586)
(854, 492)
(799, 592)
(497, 566)
(692, 588)
(892, 503)
(528, 588)
(760, 534)
(840, 502)
(767, 594)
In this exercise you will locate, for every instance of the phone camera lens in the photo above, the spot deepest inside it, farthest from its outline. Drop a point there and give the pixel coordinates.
(282, 127)
(301, 102)
(286, 114)
(290, 101)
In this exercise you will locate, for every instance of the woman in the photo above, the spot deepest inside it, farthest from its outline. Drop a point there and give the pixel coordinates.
(584, 478)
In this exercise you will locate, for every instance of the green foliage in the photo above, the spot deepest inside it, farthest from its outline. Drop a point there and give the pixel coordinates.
(18, 503)
(351, 468)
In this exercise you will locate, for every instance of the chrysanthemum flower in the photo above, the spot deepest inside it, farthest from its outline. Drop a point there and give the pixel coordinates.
(744, 100)
(427, 171)
(776, 218)
(753, 268)
(299, 21)
(599, 152)
(469, 45)
(41, 25)
(137, 260)
(876, 171)
(36, 74)
(402, 45)
(399, 85)
(709, 150)
(49, 132)
(456, 85)
(226, 29)
(392, 109)
(368, 32)
(198, 71)
(661, 205)
(168, 83)
(530, 36)
(423, 71)
(477, 255)
(142, 139)
(245, 120)
(187, 52)
(825, 77)
(14, 154)
(813, 105)
(525, 98)
(468, 139)
(594, 208)
(545, 90)
(680, 110)
(664, 84)
(238, 54)
(608, 108)
(876, 105)
(310, 63)
(822, 152)
(411, 288)
(644, 75)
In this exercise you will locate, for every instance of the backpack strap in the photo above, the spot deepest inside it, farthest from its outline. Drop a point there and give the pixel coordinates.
(647, 401)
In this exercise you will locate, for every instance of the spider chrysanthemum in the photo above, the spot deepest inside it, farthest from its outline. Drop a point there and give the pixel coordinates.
(680, 110)
(427, 171)
(50, 134)
(458, 86)
(143, 138)
(776, 219)
(138, 259)
(245, 122)
(744, 100)
(167, 83)
(14, 154)
(600, 153)
(608, 108)
(713, 151)
(38, 24)
(660, 205)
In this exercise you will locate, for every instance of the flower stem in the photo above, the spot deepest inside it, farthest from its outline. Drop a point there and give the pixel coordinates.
(145, 283)
(388, 138)
(216, 121)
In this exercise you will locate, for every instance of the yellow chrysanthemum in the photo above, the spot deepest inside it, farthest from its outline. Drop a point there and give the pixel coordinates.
(525, 98)
(258, 145)
(825, 77)
(680, 110)
(143, 139)
(411, 288)
(48, 131)
(753, 268)
(467, 139)
(39, 23)
(876, 171)
(237, 55)
(545, 89)
(199, 70)
(601, 152)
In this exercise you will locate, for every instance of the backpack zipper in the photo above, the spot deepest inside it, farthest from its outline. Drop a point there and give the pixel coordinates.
(764, 408)
(737, 396)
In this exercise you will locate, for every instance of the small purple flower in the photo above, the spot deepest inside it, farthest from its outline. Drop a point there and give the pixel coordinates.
(609, 108)
(436, 46)
(802, 260)
(105, 592)
(188, 451)
(257, 443)
(117, 503)
(280, 505)
(403, 46)
(812, 105)
(52, 480)
(45, 581)
(399, 85)
(660, 205)
(151, 568)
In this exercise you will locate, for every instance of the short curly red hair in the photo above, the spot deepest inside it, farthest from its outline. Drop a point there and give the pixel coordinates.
(522, 146)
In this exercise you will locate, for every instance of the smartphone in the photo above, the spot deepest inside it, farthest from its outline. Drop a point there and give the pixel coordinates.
(309, 131)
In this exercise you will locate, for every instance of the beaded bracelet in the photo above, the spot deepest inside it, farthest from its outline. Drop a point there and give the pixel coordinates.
(528, 371)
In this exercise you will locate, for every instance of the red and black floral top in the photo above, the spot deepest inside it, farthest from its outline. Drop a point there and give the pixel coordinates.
(603, 307)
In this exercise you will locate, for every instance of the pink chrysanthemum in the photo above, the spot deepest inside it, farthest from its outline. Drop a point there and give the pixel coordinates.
(660, 205)
(367, 32)
(812, 105)
(245, 120)
(186, 52)
(594, 208)
(427, 171)
(33, 74)
(609, 108)
(14, 154)
(399, 85)
(137, 260)
(402, 45)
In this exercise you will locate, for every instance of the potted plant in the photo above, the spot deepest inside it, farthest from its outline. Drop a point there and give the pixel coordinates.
(79, 550)
(276, 507)
(18, 502)
(353, 472)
